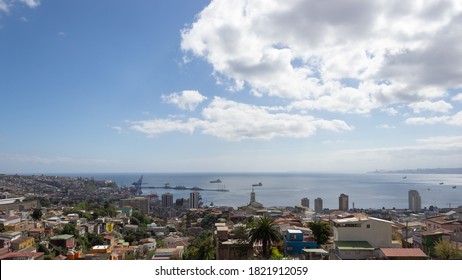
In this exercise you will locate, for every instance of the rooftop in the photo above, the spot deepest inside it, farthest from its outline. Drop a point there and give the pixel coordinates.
(354, 245)
(62, 237)
(403, 252)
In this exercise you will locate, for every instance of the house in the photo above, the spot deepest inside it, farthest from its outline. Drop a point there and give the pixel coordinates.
(314, 254)
(426, 240)
(123, 253)
(295, 241)
(169, 253)
(37, 233)
(10, 220)
(65, 241)
(128, 228)
(147, 244)
(101, 249)
(80, 230)
(7, 237)
(89, 228)
(73, 254)
(19, 226)
(402, 254)
(353, 250)
(231, 248)
(377, 232)
(22, 256)
(448, 222)
(22, 242)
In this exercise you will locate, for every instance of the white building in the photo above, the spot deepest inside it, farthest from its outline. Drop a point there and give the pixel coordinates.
(377, 232)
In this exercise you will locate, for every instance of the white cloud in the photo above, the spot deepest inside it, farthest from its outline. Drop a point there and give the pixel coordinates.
(423, 120)
(237, 121)
(458, 97)
(386, 126)
(186, 100)
(160, 126)
(439, 106)
(305, 50)
(31, 3)
(450, 120)
(390, 111)
(234, 121)
(5, 5)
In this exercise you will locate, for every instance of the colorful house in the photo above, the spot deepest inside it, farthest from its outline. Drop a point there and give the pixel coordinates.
(295, 241)
(22, 243)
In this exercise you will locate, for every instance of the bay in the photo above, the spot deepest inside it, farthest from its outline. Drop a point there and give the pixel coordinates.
(365, 190)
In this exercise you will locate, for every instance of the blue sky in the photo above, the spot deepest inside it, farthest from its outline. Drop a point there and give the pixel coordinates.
(229, 86)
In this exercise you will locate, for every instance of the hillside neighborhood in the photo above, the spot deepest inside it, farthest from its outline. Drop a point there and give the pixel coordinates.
(65, 218)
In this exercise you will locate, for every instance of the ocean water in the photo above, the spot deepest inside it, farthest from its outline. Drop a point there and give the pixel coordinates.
(365, 190)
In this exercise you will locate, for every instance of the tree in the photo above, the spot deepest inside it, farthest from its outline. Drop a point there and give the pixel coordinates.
(445, 250)
(37, 214)
(264, 231)
(69, 228)
(321, 231)
(275, 254)
(202, 247)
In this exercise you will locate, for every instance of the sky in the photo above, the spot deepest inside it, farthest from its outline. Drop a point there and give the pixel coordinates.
(229, 86)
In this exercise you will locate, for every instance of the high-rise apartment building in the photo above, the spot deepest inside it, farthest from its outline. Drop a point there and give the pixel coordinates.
(140, 203)
(167, 200)
(343, 202)
(194, 200)
(415, 203)
(318, 205)
(306, 202)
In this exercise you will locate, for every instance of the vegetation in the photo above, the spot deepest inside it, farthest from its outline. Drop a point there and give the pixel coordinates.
(275, 254)
(264, 231)
(201, 248)
(37, 214)
(321, 231)
(445, 250)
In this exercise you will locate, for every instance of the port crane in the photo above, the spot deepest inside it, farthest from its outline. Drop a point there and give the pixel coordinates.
(138, 184)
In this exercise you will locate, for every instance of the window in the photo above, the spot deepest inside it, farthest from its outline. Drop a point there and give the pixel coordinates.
(368, 226)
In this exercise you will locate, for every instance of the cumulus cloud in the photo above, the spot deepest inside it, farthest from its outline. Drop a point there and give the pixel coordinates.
(304, 50)
(233, 121)
(439, 106)
(450, 120)
(185, 100)
(458, 97)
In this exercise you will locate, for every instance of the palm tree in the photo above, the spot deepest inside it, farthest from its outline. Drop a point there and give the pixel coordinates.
(264, 230)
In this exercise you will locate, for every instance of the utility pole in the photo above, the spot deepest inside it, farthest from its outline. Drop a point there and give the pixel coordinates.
(407, 246)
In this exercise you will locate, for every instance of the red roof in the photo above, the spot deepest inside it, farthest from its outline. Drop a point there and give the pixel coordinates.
(16, 255)
(403, 252)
